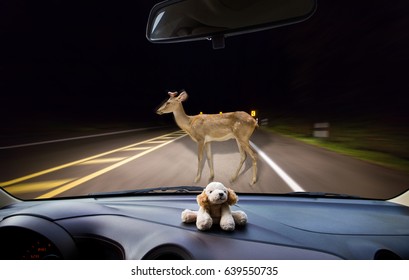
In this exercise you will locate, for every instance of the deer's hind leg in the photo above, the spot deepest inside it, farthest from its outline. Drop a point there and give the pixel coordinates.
(245, 148)
(209, 157)
(243, 157)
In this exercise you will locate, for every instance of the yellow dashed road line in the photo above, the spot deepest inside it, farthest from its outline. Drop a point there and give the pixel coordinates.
(37, 186)
(101, 172)
(138, 149)
(27, 177)
(101, 160)
(58, 186)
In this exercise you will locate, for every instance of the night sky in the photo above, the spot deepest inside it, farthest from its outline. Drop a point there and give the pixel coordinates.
(67, 61)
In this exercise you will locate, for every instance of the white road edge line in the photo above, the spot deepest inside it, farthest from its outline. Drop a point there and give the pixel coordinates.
(287, 179)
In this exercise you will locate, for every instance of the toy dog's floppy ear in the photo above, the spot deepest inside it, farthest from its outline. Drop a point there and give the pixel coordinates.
(231, 197)
(202, 200)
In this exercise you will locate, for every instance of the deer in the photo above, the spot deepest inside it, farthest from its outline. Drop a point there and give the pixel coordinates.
(205, 128)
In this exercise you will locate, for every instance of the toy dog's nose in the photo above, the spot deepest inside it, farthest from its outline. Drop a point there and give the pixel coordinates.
(221, 194)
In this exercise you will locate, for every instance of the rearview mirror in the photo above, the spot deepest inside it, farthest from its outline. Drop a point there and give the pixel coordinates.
(188, 20)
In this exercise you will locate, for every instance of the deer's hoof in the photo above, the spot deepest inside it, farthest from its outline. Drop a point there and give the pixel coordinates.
(232, 179)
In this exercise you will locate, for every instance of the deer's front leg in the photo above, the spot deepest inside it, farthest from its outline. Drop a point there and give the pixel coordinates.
(209, 156)
(200, 147)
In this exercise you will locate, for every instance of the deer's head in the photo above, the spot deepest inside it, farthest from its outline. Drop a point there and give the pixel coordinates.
(172, 103)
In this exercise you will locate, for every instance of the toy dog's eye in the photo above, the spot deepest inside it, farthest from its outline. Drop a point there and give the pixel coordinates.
(210, 191)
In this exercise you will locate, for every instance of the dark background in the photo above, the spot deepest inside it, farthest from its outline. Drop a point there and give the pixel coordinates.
(89, 61)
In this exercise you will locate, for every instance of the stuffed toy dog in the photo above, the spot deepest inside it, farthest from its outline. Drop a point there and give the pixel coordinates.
(214, 208)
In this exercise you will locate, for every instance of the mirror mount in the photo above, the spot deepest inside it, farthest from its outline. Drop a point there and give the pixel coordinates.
(218, 41)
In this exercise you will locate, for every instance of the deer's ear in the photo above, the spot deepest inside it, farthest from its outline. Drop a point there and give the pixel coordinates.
(182, 96)
(172, 94)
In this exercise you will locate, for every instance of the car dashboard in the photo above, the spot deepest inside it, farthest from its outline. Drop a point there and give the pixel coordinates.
(150, 227)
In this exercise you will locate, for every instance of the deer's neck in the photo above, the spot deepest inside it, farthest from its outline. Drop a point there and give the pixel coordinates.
(182, 120)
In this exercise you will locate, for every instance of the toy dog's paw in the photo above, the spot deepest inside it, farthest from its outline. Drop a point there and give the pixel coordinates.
(240, 218)
(204, 224)
(228, 226)
(227, 223)
(188, 216)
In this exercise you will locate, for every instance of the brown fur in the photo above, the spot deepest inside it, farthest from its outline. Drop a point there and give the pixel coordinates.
(214, 203)
(205, 128)
(203, 201)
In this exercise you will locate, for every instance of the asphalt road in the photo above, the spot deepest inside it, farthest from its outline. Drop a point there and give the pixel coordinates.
(136, 159)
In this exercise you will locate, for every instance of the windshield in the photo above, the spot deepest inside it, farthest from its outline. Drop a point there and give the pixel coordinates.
(89, 105)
